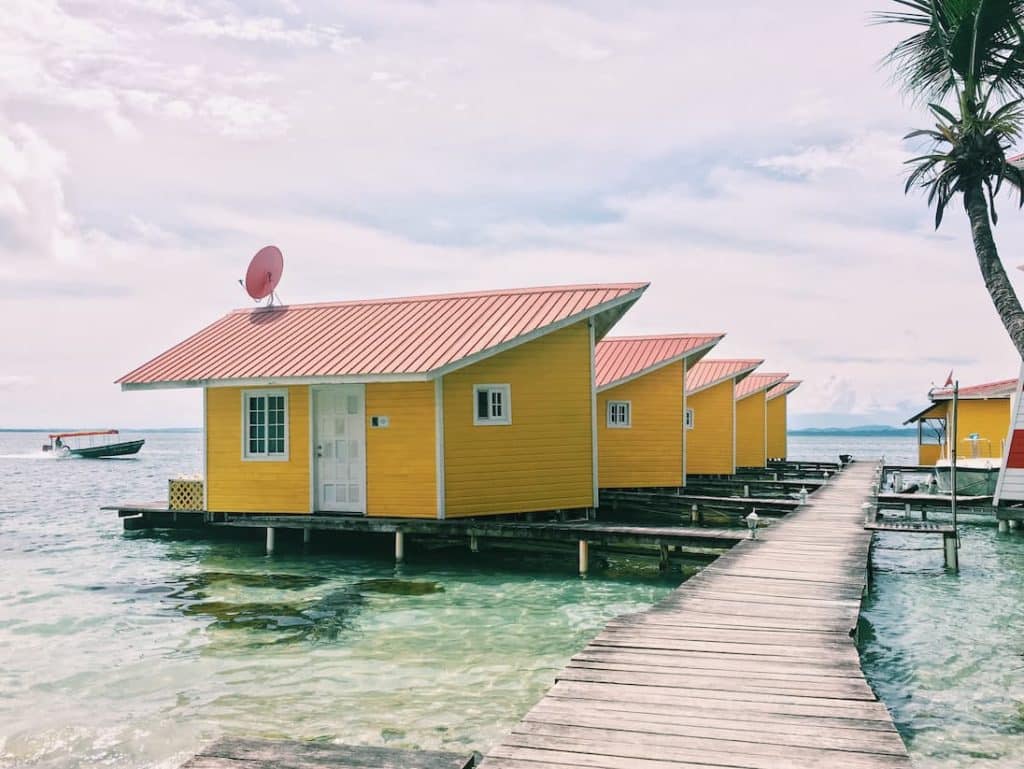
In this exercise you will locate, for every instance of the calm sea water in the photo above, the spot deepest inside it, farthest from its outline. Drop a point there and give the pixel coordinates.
(130, 650)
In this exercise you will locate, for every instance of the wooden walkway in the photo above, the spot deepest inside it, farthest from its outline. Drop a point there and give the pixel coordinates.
(749, 665)
(241, 753)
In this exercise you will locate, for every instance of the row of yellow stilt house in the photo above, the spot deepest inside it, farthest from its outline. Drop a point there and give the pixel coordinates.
(458, 405)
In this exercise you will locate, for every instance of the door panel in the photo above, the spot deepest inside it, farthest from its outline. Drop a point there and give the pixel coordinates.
(340, 448)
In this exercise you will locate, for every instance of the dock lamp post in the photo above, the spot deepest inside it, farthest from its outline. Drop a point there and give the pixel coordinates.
(803, 495)
(752, 520)
(867, 508)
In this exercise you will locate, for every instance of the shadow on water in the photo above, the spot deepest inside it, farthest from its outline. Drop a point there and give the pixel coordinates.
(306, 619)
(194, 586)
(312, 620)
(399, 586)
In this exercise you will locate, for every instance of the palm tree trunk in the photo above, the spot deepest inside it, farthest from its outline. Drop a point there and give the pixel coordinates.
(996, 281)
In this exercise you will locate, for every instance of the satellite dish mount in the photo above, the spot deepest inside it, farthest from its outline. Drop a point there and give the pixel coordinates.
(264, 274)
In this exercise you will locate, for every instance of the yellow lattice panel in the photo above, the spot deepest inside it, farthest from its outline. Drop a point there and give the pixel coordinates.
(184, 494)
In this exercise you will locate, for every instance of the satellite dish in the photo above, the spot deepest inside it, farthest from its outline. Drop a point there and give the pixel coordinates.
(264, 273)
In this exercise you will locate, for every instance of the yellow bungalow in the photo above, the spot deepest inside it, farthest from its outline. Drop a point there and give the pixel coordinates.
(641, 406)
(442, 406)
(983, 422)
(752, 419)
(711, 415)
(778, 418)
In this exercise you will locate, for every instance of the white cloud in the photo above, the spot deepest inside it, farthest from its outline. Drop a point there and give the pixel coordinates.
(34, 218)
(151, 146)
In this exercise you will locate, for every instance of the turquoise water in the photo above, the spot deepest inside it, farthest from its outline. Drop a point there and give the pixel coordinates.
(129, 650)
(943, 650)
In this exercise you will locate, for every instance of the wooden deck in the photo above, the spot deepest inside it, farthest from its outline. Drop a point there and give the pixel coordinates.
(238, 753)
(750, 665)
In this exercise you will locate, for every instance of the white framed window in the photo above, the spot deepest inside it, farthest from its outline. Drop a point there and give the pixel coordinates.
(492, 404)
(620, 413)
(265, 425)
(688, 419)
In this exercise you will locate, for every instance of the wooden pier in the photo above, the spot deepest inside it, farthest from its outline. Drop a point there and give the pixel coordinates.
(749, 665)
(664, 542)
(238, 753)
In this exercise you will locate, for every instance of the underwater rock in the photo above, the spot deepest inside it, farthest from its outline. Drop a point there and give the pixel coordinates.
(399, 586)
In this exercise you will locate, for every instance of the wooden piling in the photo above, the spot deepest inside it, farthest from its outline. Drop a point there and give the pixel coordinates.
(399, 546)
(270, 540)
(949, 546)
(584, 557)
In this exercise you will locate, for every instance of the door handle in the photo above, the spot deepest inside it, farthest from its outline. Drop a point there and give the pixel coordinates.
(319, 451)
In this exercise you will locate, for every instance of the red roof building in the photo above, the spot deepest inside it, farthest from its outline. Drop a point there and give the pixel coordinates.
(442, 406)
(641, 401)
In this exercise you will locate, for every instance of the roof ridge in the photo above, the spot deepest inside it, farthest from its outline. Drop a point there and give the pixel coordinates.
(714, 361)
(434, 297)
(657, 337)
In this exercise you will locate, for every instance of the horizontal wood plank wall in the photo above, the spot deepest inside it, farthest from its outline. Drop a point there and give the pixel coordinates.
(777, 416)
(928, 453)
(750, 431)
(990, 419)
(542, 461)
(709, 445)
(238, 486)
(400, 477)
(650, 452)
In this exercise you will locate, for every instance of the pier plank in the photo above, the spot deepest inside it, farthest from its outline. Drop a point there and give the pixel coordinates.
(244, 753)
(748, 665)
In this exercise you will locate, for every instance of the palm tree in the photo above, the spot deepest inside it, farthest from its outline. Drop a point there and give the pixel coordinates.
(966, 61)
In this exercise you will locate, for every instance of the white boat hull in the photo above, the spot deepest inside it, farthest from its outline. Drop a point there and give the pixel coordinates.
(974, 477)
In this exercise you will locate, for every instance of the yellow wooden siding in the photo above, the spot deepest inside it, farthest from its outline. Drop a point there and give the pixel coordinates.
(928, 454)
(709, 445)
(650, 452)
(776, 415)
(990, 419)
(543, 459)
(401, 480)
(750, 431)
(261, 486)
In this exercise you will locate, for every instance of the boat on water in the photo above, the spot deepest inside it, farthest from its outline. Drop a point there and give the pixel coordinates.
(975, 476)
(92, 444)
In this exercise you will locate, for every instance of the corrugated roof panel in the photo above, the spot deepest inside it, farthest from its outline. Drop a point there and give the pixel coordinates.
(708, 373)
(409, 335)
(756, 383)
(617, 359)
(1004, 388)
(784, 388)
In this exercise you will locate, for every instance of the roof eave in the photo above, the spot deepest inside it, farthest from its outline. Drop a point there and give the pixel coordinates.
(735, 377)
(607, 313)
(696, 353)
(274, 381)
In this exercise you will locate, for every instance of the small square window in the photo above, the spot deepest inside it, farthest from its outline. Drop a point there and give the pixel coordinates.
(492, 404)
(266, 425)
(688, 419)
(620, 414)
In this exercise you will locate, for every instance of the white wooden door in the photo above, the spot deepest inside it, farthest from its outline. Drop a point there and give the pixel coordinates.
(340, 448)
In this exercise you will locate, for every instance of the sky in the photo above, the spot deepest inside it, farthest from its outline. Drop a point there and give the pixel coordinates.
(745, 157)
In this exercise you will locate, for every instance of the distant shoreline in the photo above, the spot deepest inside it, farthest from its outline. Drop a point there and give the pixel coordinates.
(122, 429)
(856, 432)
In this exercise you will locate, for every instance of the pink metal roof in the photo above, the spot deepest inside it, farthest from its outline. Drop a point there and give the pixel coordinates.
(708, 373)
(1004, 388)
(409, 337)
(784, 388)
(618, 359)
(755, 383)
